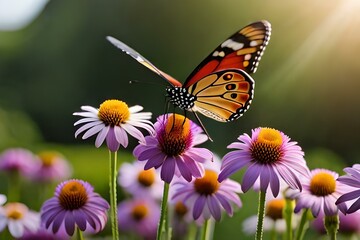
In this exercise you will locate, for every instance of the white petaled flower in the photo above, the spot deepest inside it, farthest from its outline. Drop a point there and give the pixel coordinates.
(112, 122)
(18, 218)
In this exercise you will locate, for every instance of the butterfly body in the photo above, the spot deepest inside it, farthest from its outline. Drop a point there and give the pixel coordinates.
(220, 87)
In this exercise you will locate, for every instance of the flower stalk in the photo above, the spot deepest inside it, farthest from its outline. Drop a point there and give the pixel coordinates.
(261, 215)
(288, 215)
(163, 217)
(113, 196)
(331, 225)
(304, 224)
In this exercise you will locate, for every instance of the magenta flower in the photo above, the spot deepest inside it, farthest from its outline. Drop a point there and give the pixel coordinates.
(139, 216)
(51, 167)
(320, 192)
(18, 218)
(173, 148)
(269, 155)
(352, 179)
(139, 182)
(74, 205)
(112, 122)
(205, 197)
(17, 160)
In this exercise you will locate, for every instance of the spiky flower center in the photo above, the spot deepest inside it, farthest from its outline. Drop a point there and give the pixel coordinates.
(274, 208)
(139, 211)
(73, 195)
(180, 209)
(208, 184)
(175, 138)
(146, 177)
(48, 158)
(114, 112)
(322, 184)
(15, 211)
(267, 147)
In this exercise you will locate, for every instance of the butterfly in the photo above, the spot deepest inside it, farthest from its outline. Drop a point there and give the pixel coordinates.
(220, 87)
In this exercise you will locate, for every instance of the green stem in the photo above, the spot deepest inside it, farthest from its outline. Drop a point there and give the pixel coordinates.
(273, 234)
(14, 187)
(288, 215)
(79, 235)
(163, 216)
(304, 224)
(205, 230)
(261, 215)
(113, 197)
(332, 226)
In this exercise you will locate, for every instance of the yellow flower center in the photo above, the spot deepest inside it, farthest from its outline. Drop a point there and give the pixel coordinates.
(139, 212)
(48, 158)
(114, 112)
(15, 211)
(274, 208)
(180, 209)
(208, 184)
(146, 177)
(322, 184)
(176, 136)
(266, 148)
(73, 195)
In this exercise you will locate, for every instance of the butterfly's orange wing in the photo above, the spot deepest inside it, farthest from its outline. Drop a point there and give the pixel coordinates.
(224, 95)
(242, 50)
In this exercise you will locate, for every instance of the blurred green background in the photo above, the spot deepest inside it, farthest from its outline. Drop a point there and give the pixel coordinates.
(307, 83)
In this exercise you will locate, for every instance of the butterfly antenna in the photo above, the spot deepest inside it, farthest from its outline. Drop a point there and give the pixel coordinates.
(143, 82)
(202, 125)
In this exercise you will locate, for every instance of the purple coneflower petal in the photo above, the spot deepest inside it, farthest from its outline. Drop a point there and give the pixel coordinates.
(168, 169)
(80, 219)
(214, 208)
(86, 120)
(264, 178)
(224, 203)
(274, 182)
(289, 177)
(199, 206)
(92, 131)
(155, 162)
(69, 223)
(121, 136)
(349, 181)
(250, 176)
(86, 126)
(196, 169)
(348, 196)
(185, 172)
(58, 220)
(133, 131)
(101, 136)
(354, 207)
(111, 141)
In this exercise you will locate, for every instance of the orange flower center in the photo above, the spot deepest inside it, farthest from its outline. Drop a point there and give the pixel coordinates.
(146, 177)
(73, 195)
(114, 112)
(322, 184)
(274, 208)
(175, 138)
(208, 184)
(266, 148)
(15, 210)
(139, 212)
(180, 209)
(48, 158)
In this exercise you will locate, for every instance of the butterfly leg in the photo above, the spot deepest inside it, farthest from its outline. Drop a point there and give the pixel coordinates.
(202, 125)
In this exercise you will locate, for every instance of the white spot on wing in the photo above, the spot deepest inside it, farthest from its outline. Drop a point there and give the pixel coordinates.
(253, 43)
